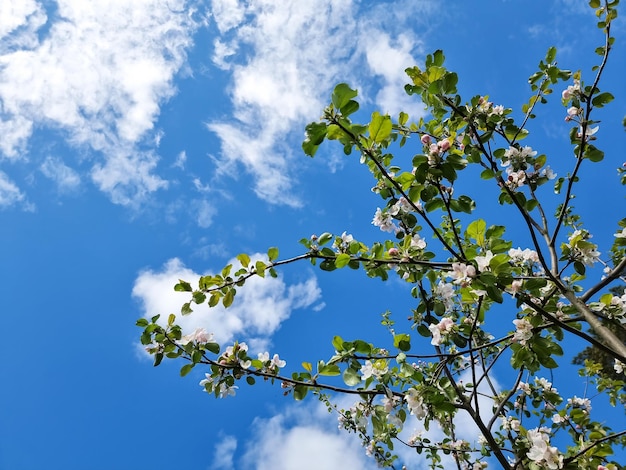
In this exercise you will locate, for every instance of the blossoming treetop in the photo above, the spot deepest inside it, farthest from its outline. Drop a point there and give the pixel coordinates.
(549, 290)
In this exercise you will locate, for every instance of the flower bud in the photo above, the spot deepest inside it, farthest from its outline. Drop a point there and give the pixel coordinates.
(444, 145)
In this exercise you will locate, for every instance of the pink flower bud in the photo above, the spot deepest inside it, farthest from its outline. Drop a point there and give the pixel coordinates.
(444, 145)
(393, 252)
(425, 139)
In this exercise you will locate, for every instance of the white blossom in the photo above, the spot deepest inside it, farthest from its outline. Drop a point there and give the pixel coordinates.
(401, 206)
(415, 403)
(374, 369)
(226, 390)
(207, 380)
(571, 90)
(418, 242)
(445, 291)
(526, 255)
(548, 173)
(484, 260)
(443, 327)
(199, 336)
(384, 221)
(541, 452)
(462, 273)
(577, 402)
(523, 331)
(278, 362)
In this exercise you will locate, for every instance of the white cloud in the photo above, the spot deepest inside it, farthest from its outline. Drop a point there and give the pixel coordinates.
(205, 212)
(295, 47)
(127, 175)
(10, 194)
(389, 58)
(303, 437)
(25, 17)
(294, 53)
(223, 453)
(181, 159)
(256, 314)
(99, 73)
(227, 13)
(65, 177)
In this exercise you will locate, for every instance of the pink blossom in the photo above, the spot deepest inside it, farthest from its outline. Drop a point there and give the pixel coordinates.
(444, 145)
(443, 327)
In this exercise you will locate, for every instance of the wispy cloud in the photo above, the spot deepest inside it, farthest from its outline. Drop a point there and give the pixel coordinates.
(10, 193)
(294, 53)
(257, 313)
(98, 71)
(224, 453)
(65, 177)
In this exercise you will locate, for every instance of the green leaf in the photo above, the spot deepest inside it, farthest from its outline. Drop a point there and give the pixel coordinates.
(158, 357)
(476, 231)
(307, 366)
(579, 268)
(351, 377)
(182, 286)
(199, 297)
(487, 174)
(338, 343)
(342, 260)
(349, 108)
(142, 322)
(327, 265)
(402, 341)
(260, 267)
(330, 370)
(342, 94)
(324, 238)
(186, 369)
(214, 299)
(315, 134)
(171, 319)
(380, 127)
(244, 259)
(250, 380)
(186, 308)
(227, 301)
(272, 253)
(594, 154)
(300, 391)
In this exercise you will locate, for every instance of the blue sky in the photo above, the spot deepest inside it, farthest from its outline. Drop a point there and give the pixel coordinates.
(146, 141)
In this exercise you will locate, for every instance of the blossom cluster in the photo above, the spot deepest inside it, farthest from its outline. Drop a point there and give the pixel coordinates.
(488, 107)
(375, 369)
(435, 149)
(440, 330)
(415, 403)
(571, 91)
(541, 452)
(523, 331)
(199, 336)
(581, 249)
